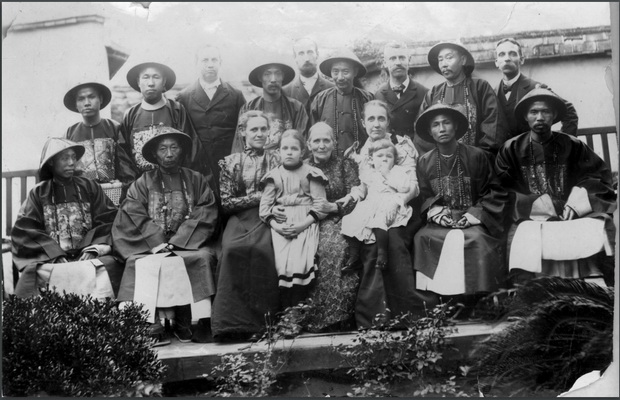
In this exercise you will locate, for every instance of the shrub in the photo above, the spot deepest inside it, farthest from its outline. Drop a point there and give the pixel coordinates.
(70, 345)
(382, 355)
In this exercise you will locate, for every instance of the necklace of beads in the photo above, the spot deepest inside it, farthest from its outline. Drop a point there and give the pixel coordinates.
(166, 208)
(355, 127)
(83, 215)
(547, 188)
(466, 89)
(459, 173)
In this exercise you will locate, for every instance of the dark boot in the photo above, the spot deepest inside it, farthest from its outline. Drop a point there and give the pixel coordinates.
(382, 248)
(158, 332)
(202, 331)
(183, 323)
(354, 263)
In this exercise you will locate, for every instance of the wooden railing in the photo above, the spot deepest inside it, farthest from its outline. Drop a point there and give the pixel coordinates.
(597, 139)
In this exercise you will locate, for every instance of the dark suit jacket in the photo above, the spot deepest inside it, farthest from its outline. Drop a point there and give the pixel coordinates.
(523, 86)
(215, 121)
(404, 110)
(297, 91)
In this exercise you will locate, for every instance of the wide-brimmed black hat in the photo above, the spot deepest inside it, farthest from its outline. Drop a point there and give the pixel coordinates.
(342, 55)
(422, 124)
(433, 53)
(540, 94)
(53, 146)
(104, 92)
(256, 75)
(132, 74)
(161, 132)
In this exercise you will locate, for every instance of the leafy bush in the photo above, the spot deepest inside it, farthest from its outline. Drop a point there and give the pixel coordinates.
(382, 355)
(558, 330)
(70, 345)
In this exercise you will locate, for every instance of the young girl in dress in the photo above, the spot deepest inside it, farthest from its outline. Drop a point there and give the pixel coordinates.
(293, 186)
(381, 207)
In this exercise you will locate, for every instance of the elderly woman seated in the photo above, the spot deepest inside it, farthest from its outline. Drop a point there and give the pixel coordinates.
(61, 236)
(163, 230)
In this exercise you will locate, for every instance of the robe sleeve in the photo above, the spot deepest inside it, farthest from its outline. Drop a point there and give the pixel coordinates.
(134, 231)
(201, 225)
(238, 143)
(125, 167)
(427, 196)
(301, 122)
(492, 197)
(30, 243)
(595, 176)
(493, 125)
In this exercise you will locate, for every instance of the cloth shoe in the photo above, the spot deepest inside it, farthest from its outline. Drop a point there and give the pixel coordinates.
(157, 332)
(202, 332)
(183, 322)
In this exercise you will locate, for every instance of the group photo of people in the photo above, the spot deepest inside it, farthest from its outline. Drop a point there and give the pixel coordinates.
(317, 192)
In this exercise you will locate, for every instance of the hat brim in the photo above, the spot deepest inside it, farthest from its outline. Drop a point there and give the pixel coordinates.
(70, 98)
(45, 171)
(255, 76)
(326, 66)
(149, 147)
(522, 107)
(132, 75)
(422, 124)
(433, 53)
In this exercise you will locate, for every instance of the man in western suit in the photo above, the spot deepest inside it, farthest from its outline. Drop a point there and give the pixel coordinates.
(309, 81)
(401, 93)
(213, 107)
(514, 86)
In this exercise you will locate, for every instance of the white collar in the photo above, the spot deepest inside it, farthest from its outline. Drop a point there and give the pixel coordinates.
(512, 81)
(312, 79)
(152, 107)
(405, 82)
(206, 85)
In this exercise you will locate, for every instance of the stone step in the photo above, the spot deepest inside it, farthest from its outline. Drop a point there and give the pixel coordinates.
(307, 352)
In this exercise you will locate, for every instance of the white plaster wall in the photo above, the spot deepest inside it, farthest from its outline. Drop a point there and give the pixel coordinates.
(38, 67)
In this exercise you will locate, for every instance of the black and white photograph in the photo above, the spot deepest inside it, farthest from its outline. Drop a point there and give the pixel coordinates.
(195, 199)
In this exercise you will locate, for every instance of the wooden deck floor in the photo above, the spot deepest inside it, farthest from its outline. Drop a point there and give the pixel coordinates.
(307, 352)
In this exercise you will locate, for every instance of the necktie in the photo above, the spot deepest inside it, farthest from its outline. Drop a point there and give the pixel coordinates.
(507, 89)
(399, 89)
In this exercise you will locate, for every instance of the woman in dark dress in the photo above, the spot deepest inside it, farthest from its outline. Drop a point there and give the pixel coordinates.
(333, 296)
(247, 282)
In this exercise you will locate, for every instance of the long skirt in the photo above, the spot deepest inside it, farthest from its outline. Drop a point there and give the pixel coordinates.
(247, 282)
(333, 295)
(198, 264)
(391, 292)
(29, 281)
(484, 267)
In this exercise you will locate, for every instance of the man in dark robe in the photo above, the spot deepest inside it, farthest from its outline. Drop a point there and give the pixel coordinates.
(164, 230)
(459, 250)
(402, 94)
(309, 80)
(514, 85)
(62, 233)
(341, 106)
(142, 121)
(213, 107)
(562, 195)
(105, 159)
(285, 112)
(487, 126)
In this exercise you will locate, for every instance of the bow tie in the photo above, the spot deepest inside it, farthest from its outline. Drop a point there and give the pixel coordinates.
(399, 89)
(507, 88)
(254, 152)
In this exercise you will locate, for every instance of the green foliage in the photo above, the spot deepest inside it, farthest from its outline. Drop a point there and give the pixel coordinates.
(70, 345)
(239, 376)
(558, 330)
(382, 355)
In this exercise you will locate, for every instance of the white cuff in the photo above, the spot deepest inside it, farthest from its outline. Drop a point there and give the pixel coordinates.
(578, 200)
(471, 219)
(100, 249)
(156, 249)
(436, 210)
